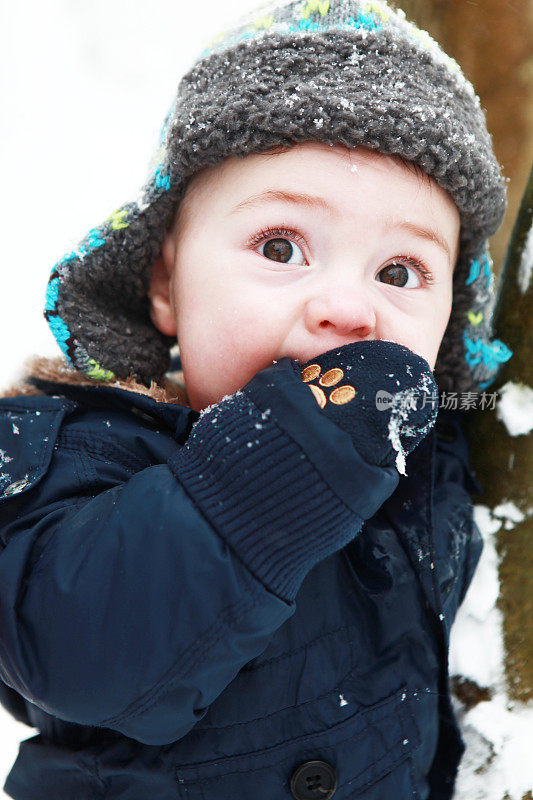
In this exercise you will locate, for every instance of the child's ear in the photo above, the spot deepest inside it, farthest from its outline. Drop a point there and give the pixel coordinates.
(160, 292)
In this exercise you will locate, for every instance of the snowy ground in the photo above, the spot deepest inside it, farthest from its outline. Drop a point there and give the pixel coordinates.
(498, 735)
(84, 88)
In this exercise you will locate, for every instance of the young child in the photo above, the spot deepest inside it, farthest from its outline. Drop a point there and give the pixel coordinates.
(244, 588)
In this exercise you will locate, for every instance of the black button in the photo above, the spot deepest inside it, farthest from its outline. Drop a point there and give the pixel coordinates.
(445, 430)
(313, 779)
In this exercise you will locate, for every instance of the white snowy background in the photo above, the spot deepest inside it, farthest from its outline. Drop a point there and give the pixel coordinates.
(84, 88)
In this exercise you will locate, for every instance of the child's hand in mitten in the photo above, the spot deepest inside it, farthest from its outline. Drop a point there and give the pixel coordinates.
(379, 392)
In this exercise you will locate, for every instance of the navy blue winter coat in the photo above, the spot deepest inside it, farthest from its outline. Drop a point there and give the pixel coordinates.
(244, 611)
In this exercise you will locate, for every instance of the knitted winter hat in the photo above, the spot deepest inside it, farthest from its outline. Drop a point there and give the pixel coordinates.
(350, 72)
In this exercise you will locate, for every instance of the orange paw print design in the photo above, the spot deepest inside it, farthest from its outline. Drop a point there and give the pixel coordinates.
(339, 396)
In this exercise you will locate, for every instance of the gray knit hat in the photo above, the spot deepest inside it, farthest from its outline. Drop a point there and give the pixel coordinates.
(350, 72)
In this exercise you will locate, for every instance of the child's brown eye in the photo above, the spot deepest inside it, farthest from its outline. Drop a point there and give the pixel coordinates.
(281, 250)
(396, 274)
(278, 249)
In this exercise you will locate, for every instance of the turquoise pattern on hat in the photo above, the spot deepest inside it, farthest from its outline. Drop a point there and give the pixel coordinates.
(479, 266)
(61, 333)
(483, 355)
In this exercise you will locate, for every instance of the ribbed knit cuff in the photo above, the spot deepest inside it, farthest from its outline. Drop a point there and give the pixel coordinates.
(262, 494)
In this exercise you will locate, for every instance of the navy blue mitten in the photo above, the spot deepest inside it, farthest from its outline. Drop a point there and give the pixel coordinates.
(379, 392)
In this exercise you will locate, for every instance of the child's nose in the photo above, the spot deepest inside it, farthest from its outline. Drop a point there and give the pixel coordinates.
(346, 313)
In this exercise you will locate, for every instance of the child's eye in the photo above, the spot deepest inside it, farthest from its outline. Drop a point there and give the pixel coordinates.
(405, 275)
(277, 244)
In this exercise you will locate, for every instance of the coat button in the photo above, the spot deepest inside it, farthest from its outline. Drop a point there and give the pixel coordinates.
(313, 779)
(445, 431)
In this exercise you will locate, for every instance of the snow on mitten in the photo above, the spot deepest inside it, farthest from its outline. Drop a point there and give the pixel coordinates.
(381, 393)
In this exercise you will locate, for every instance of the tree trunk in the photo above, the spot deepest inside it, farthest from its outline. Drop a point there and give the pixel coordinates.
(505, 467)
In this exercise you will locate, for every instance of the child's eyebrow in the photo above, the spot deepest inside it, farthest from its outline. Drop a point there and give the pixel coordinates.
(313, 201)
(424, 233)
(296, 198)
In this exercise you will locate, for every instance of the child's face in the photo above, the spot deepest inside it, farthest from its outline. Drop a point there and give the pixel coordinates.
(340, 269)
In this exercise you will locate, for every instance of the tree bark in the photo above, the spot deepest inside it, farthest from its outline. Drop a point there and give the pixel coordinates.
(504, 463)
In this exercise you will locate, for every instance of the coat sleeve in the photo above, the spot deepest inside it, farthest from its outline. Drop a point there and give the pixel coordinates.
(458, 541)
(132, 592)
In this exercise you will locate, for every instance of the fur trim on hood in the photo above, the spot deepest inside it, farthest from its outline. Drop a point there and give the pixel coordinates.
(56, 370)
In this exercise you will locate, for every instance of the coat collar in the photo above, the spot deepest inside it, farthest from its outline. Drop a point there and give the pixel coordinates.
(165, 402)
(55, 370)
